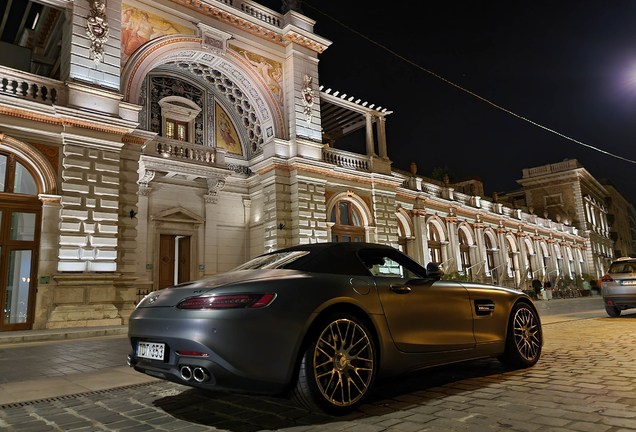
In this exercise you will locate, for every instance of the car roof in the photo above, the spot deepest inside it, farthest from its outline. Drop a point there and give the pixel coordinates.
(351, 247)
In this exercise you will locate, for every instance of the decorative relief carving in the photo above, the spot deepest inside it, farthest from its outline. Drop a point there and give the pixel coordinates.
(247, 85)
(145, 177)
(52, 154)
(214, 186)
(144, 190)
(239, 169)
(308, 97)
(97, 29)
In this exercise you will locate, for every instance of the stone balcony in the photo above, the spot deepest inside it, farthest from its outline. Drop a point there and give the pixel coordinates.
(32, 87)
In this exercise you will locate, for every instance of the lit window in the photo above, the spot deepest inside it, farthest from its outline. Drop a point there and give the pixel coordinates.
(347, 223)
(181, 132)
(170, 129)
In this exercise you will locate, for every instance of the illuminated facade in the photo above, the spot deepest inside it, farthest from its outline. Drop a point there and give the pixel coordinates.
(155, 145)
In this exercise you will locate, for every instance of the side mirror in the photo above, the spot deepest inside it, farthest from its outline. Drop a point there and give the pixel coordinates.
(434, 271)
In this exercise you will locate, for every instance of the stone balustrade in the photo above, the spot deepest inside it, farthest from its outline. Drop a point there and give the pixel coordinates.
(345, 159)
(172, 149)
(258, 12)
(551, 168)
(32, 87)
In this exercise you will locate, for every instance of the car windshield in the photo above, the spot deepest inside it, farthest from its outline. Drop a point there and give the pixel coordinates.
(272, 261)
(623, 267)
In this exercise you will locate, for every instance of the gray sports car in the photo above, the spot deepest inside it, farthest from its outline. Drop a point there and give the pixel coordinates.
(323, 322)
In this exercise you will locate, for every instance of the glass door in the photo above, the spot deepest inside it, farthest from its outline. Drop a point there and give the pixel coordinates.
(19, 238)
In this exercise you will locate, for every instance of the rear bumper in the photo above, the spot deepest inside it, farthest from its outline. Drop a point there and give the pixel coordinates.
(241, 355)
(620, 301)
(217, 377)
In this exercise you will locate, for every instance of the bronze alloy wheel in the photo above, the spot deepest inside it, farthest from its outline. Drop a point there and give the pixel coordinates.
(343, 362)
(527, 334)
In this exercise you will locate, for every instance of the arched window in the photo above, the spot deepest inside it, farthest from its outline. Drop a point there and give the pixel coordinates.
(464, 249)
(14, 177)
(347, 223)
(434, 244)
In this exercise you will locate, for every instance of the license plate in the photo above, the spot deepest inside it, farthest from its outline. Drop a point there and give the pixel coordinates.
(149, 350)
(628, 282)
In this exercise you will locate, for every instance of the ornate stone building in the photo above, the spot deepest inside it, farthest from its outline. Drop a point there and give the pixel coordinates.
(568, 193)
(620, 220)
(146, 143)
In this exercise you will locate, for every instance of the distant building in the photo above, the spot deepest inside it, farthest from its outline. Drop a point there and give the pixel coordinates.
(566, 192)
(620, 220)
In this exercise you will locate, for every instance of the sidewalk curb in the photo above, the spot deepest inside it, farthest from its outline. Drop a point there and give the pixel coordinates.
(26, 336)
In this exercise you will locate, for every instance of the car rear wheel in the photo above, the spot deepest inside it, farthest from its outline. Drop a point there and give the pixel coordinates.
(613, 311)
(525, 338)
(338, 367)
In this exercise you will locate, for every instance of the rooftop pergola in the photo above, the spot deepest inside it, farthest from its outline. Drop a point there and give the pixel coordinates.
(342, 115)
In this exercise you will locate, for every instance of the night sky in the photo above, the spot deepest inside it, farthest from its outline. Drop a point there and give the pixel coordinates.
(568, 65)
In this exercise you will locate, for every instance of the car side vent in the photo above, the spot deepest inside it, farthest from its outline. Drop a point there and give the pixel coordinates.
(484, 307)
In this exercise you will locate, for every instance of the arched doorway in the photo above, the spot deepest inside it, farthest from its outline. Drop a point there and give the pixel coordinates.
(20, 222)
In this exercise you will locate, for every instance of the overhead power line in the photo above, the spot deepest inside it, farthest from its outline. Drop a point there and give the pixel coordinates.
(499, 107)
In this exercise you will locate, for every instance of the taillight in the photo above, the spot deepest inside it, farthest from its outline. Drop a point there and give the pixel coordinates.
(239, 301)
(192, 353)
(607, 278)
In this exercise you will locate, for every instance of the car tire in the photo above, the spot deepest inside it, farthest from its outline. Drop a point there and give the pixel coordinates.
(338, 366)
(524, 338)
(613, 311)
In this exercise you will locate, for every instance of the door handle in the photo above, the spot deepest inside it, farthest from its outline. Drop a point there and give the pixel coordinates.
(400, 289)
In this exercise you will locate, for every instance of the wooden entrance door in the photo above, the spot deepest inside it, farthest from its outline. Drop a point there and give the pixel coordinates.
(174, 260)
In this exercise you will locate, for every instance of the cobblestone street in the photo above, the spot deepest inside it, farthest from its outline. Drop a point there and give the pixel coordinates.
(585, 381)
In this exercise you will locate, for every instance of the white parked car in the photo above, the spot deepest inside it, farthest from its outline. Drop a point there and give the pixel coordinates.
(618, 286)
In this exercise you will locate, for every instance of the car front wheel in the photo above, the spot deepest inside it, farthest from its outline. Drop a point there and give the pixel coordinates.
(338, 367)
(613, 311)
(525, 338)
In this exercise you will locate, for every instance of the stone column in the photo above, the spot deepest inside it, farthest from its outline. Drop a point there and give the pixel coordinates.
(47, 265)
(210, 249)
(382, 137)
(480, 249)
(454, 256)
(143, 258)
(503, 253)
(247, 216)
(420, 243)
(370, 142)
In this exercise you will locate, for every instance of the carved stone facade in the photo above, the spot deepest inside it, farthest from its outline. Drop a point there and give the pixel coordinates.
(206, 150)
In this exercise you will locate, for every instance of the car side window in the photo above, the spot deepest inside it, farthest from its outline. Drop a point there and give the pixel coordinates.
(385, 265)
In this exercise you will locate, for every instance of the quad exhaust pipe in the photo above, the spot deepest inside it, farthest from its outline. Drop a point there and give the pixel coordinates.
(199, 374)
(186, 373)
